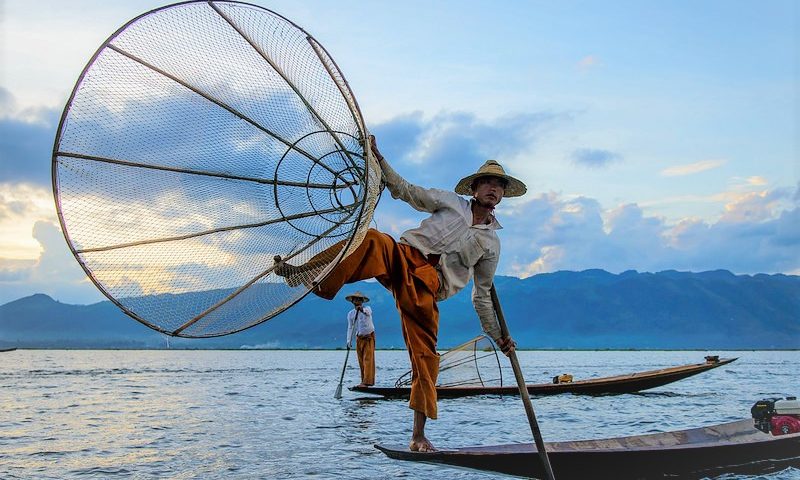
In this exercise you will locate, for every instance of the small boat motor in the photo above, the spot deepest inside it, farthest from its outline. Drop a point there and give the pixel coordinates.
(777, 416)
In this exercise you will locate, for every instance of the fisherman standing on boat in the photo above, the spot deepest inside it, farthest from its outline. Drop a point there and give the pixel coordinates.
(430, 263)
(359, 321)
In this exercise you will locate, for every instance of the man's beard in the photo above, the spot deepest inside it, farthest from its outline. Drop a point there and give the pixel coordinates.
(483, 204)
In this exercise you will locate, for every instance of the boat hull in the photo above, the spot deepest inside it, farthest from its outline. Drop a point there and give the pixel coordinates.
(736, 447)
(619, 384)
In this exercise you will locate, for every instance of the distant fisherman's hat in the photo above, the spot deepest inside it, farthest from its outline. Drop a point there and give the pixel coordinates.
(491, 168)
(353, 296)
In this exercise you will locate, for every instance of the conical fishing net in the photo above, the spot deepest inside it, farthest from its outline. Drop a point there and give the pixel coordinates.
(472, 364)
(201, 141)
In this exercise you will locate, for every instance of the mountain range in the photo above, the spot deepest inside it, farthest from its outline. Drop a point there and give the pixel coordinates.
(592, 309)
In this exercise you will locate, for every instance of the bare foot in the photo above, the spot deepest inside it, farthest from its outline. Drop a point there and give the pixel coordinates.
(421, 444)
(292, 274)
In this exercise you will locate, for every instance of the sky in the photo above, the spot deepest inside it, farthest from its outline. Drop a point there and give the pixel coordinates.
(651, 135)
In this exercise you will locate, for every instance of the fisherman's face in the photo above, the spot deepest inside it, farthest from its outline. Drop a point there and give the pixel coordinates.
(488, 191)
(357, 302)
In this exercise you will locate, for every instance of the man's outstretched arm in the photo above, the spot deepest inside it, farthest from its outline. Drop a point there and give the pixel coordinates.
(482, 301)
(422, 199)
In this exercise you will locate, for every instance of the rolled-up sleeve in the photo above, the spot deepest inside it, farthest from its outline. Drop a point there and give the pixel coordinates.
(482, 298)
(421, 199)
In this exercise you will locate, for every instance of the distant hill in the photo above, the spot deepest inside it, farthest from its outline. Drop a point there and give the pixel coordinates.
(592, 309)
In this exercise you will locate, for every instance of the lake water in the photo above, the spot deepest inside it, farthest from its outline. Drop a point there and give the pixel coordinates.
(271, 414)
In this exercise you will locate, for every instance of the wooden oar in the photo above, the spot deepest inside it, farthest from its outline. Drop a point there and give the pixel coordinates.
(338, 393)
(523, 389)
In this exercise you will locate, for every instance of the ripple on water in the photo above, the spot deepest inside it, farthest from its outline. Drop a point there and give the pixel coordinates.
(242, 415)
(101, 472)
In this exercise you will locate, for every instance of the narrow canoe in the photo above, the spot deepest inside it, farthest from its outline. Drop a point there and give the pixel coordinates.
(628, 383)
(736, 447)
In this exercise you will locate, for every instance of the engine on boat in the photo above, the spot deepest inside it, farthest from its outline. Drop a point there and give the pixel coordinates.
(777, 416)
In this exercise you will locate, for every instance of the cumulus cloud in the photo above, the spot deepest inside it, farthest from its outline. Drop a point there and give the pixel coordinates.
(21, 205)
(550, 232)
(26, 141)
(754, 206)
(692, 168)
(434, 151)
(34, 257)
(594, 158)
(55, 272)
(13, 270)
(756, 231)
(7, 102)
(55, 261)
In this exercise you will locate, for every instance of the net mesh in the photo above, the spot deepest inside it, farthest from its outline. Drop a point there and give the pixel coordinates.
(201, 141)
(472, 364)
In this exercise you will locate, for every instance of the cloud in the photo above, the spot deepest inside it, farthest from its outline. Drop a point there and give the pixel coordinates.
(55, 261)
(397, 136)
(12, 270)
(26, 142)
(106, 205)
(21, 205)
(758, 233)
(553, 231)
(8, 103)
(594, 158)
(438, 151)
(692, 168)
(757, 181)
(119, 205)
(55, 272)
(754, 206)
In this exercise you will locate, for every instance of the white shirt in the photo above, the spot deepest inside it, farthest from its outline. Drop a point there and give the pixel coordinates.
(466, 250)
(363, 324)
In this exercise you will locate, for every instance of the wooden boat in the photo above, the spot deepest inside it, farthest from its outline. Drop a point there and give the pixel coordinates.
(7, 349)
(736, 447)
(629, 383)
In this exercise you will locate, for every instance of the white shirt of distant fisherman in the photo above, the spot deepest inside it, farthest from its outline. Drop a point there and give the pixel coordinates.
(363, 324)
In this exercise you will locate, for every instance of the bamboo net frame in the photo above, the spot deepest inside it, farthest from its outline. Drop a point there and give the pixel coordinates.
(474, 363)
(202, 140)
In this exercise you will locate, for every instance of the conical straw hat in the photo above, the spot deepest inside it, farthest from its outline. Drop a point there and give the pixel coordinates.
(491, 168)
(357, 294)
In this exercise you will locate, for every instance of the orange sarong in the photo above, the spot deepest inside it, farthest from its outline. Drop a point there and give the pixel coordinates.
(405, 271)
(365, 348)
